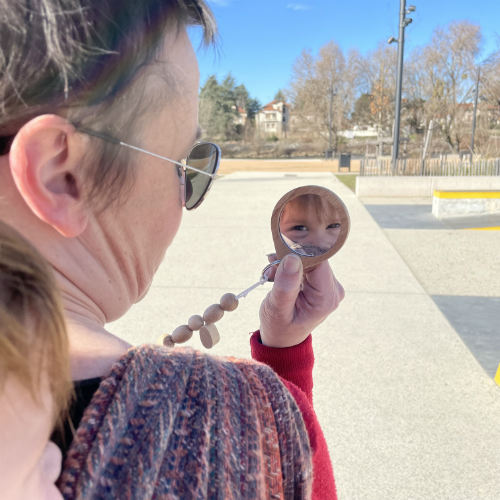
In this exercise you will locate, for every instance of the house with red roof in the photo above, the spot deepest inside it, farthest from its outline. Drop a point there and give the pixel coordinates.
(273, 119)
(241, 117)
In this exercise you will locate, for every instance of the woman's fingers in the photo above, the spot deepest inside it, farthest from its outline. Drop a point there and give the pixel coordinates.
(323, 288)
(277, 312)
(298, 302)
(287, 281)
(271, 272)
(272, 257)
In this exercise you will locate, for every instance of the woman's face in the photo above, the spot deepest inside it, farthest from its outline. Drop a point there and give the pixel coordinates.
(143, 226)
(29, 463)
(155, 204)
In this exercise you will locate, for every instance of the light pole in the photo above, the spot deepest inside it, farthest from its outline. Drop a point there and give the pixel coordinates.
(403, 23)
(331, 95)
(330, 119)
(474, 114)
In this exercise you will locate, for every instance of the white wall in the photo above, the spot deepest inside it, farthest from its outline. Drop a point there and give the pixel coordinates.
(410, 186)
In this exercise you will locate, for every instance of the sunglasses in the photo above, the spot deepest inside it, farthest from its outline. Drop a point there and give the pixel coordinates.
(199, 168)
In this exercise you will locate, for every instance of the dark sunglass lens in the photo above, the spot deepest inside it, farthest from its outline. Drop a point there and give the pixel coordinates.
(204, 157)
(188, 189)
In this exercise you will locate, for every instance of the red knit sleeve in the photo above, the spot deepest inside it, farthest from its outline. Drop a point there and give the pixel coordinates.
(294, 365)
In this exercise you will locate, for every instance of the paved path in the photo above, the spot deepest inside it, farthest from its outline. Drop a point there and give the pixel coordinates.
(457, 261)
(407, 410)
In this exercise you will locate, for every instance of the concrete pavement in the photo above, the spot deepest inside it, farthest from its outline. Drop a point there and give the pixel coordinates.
(458, 264)
(407, 411)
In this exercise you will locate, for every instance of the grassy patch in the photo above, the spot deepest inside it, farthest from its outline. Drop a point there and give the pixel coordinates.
(349, 180)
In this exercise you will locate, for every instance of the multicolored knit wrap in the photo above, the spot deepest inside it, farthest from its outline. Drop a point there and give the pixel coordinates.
(180, 424)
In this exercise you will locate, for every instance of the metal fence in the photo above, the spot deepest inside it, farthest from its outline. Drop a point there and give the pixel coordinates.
(432, 166)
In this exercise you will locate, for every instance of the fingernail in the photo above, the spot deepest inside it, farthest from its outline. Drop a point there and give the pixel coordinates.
(291, 264)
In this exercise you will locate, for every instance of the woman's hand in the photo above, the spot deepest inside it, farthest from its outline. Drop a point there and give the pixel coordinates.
(297, 303)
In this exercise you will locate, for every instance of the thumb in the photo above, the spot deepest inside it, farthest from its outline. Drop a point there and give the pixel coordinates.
(286, 286)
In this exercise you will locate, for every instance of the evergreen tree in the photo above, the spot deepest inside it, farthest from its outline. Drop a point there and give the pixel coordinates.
(219, 105)
(362, 114)
(280, 96)
(209, 108)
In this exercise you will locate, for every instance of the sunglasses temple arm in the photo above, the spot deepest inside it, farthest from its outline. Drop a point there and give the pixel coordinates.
(99, 135)
(136, 148)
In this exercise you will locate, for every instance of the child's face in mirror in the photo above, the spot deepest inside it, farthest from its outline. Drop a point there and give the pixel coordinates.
(307, 228)
(29, 463)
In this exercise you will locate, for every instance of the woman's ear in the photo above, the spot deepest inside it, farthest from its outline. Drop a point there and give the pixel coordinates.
(46, 159)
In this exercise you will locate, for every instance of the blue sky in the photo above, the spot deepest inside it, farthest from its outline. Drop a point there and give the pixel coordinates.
(260, 39)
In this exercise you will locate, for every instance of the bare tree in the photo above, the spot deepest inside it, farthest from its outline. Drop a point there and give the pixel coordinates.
(490, 79)
(319, 92)
(378, 79)
(446, 80)
(487, 130)
(352, 79)
(414, 84)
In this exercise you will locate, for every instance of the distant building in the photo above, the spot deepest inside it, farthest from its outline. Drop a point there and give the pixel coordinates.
(241, 118)
(273, 119)
(357, 132)
(490, 112)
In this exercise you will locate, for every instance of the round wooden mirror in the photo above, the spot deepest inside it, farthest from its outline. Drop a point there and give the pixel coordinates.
(310, 221)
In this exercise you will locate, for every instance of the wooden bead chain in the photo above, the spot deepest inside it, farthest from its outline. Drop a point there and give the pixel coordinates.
(209, 335)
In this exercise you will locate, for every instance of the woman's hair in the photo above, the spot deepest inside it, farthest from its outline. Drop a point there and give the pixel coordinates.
(33, 338)
(79, 58)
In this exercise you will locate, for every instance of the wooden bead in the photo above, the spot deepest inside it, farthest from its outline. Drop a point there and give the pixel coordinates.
(195, 322)
(213, 313)
(168, 341)
(228, 302)
(182, 334)
(209, 335)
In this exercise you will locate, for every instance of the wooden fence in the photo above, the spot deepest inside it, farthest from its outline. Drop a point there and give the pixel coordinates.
(431, 167)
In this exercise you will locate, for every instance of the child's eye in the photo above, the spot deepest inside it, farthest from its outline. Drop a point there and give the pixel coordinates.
(299, 227)
(334, 225)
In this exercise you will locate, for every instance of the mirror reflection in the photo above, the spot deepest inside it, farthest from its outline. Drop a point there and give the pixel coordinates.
(309, 225)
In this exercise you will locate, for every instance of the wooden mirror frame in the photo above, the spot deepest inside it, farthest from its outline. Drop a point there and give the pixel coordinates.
(283, 249)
